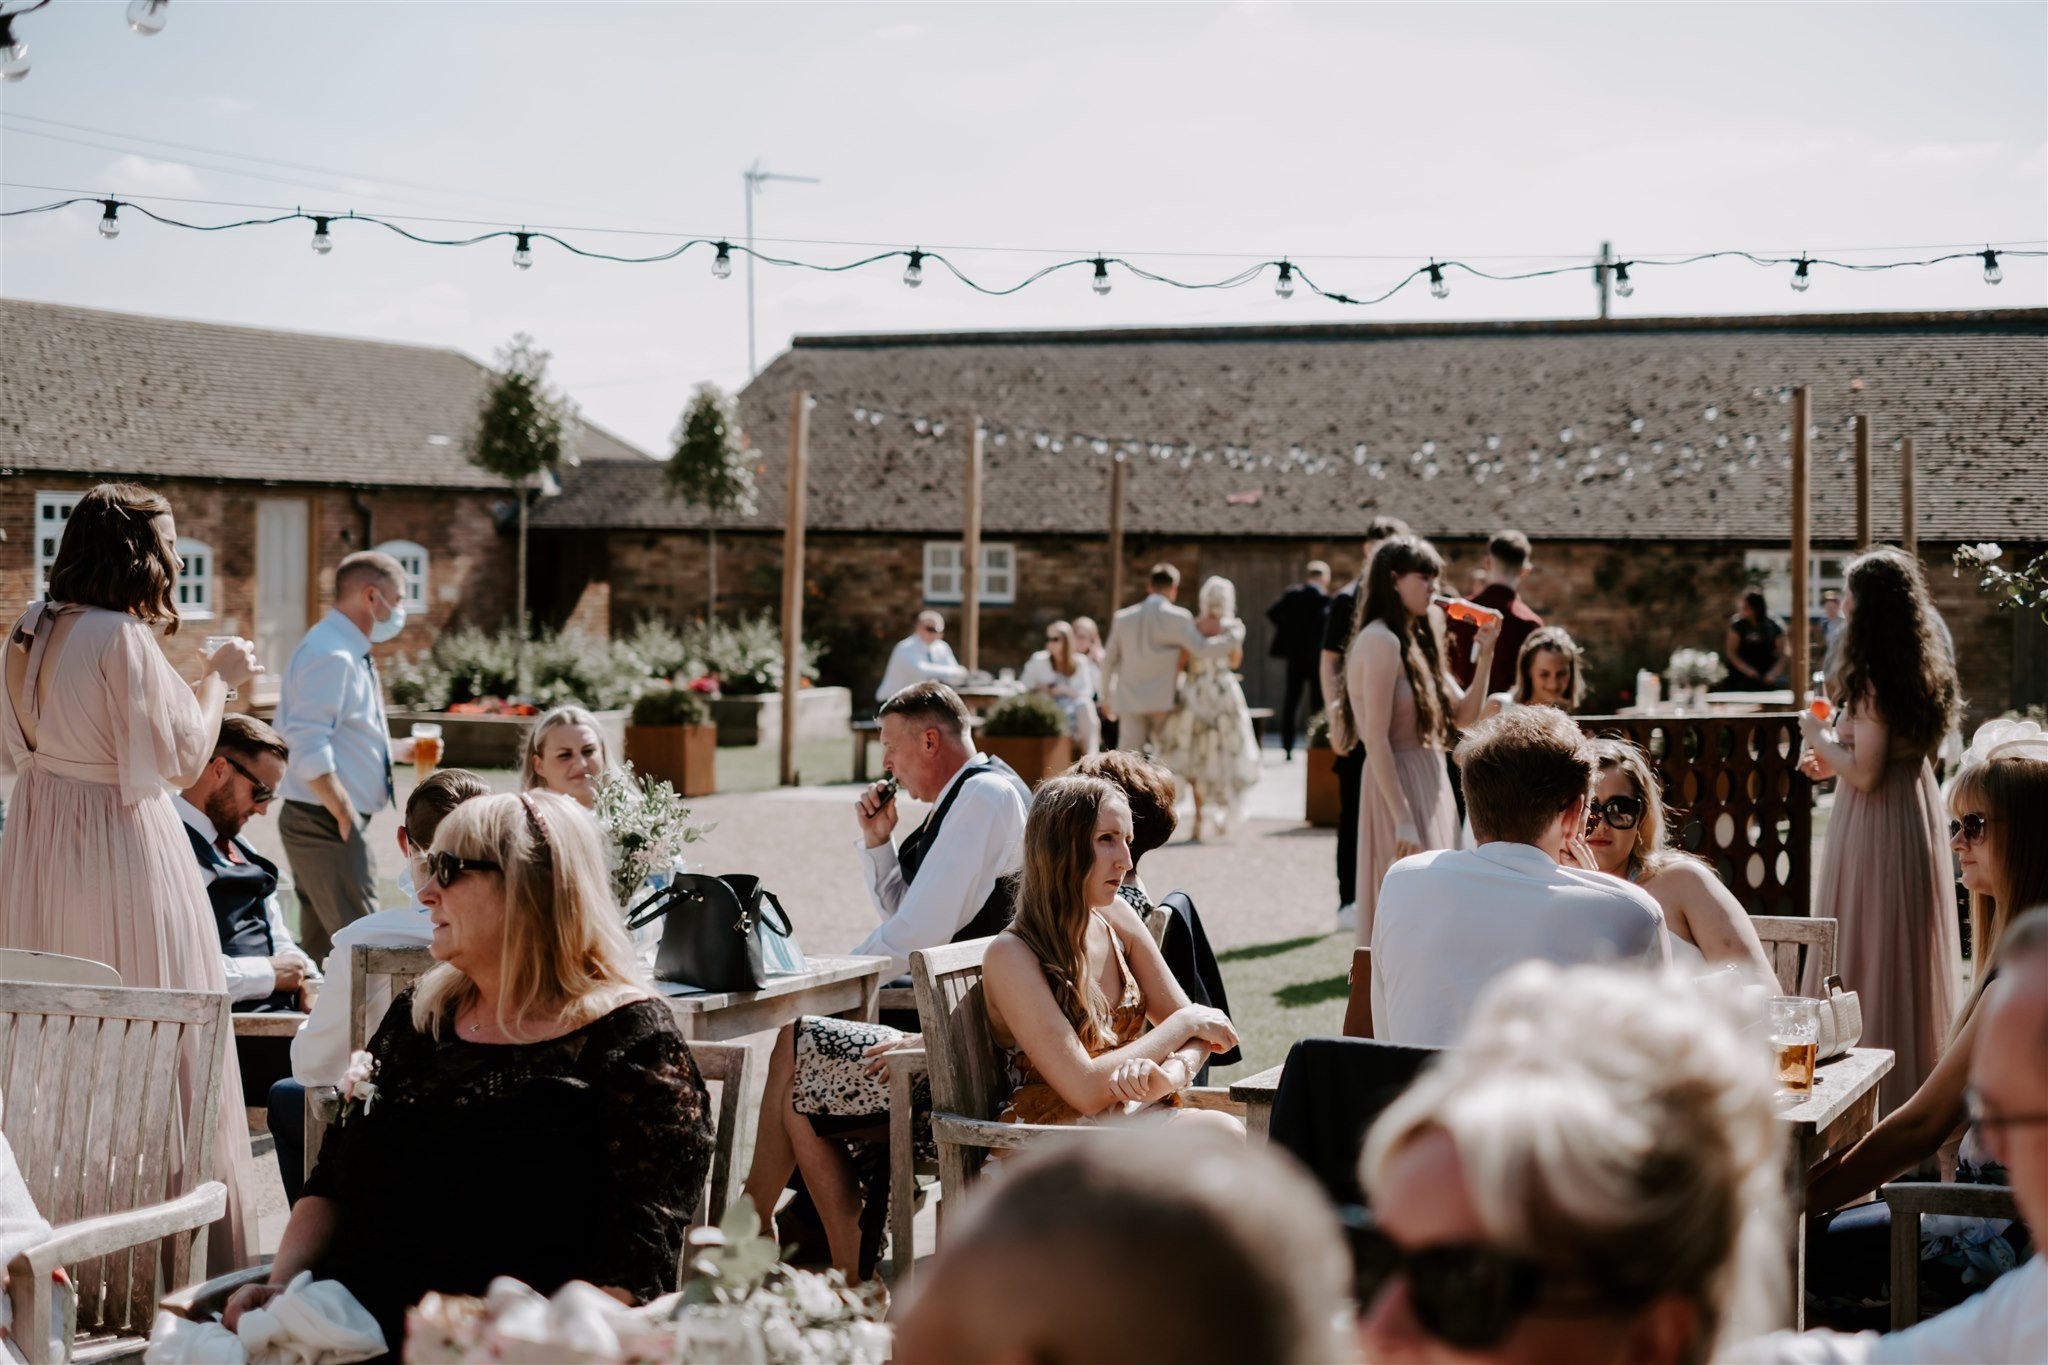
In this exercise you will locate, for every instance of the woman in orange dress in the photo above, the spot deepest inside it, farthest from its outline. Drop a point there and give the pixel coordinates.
(1079, 998)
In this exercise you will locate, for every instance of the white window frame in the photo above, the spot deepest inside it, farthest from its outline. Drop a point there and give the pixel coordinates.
(996, 585)
(418, 564)
(194, 589)
(55, 507)
(1771, 570)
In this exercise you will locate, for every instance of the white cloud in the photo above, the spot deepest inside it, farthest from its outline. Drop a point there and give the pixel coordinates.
(137, 174)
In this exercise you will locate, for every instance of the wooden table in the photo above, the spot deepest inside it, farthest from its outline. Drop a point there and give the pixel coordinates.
(1256, 1094)
(829, 985)
(979, 697)
(1841, 1109)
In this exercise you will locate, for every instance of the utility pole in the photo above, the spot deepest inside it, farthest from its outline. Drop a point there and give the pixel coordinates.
(752, 179)
(1603, 277)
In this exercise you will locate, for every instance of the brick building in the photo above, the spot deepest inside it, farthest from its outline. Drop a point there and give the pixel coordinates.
(280, 453)
(1649, 460)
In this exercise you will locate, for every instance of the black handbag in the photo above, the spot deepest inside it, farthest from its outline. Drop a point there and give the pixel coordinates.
(711, 939)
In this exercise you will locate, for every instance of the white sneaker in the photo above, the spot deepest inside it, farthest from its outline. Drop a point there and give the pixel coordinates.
(1347, 917)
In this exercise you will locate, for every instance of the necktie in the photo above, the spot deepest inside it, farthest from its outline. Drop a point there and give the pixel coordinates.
(377, 698)
(226, 845)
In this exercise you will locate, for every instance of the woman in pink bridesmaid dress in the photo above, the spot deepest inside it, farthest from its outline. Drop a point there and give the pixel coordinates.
(95, 720)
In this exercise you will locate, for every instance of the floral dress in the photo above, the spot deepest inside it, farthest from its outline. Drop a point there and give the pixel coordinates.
(1207, 738)
(1032, 1097)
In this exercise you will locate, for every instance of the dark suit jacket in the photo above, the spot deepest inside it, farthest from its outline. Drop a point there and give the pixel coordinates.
(1186, 950)
(1298, 624)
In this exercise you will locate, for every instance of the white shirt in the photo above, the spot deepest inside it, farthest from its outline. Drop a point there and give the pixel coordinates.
(320, 1051)
(1451, 920)
(981, 840)
(1040, 674)
(914, 661)
(331, 714)
(249, 978)
(2007, 1322)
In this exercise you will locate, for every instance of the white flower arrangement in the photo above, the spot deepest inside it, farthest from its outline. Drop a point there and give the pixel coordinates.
(646, 826)
(1696, 668)
(358, 1089)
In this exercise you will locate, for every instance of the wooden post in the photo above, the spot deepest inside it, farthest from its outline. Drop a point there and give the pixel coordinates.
(1909, 530)
(1800, 626)
(793, 575)
(970, 553)
(1863, 537)
(1116, 540)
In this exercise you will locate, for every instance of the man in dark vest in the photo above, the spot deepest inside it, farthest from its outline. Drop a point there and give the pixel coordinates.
(265, 969)
(1298, 618)
(954, 877)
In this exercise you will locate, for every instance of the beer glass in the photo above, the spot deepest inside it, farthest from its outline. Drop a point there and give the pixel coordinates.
(1795, 1040)
(213, 642)
(426, 749)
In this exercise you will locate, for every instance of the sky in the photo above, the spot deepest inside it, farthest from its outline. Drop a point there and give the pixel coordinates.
(1358, 140)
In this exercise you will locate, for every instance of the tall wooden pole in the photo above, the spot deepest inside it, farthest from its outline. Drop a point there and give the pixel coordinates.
(793, 575)
(970, 553)
(1863, 535)
(1801, 625)
(1909, 529)
(1116, 540)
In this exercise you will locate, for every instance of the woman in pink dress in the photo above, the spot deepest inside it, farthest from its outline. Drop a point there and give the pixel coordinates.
(94, 861)
(1886, 875)
(1405, 702)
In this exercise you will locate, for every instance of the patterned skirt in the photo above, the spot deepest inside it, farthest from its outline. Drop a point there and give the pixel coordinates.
(831, 1086)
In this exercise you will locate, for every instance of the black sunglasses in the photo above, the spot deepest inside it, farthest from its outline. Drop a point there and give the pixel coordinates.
(1970, 828)
(1466, 1295)
(446, 868)
(1620, 812)
(259, 792)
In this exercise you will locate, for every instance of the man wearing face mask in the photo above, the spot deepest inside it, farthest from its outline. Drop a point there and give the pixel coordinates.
(331, 714)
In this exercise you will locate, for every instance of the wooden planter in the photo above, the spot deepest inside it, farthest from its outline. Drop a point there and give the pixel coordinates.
(1325, 794)
(684, 756)
(1034, 759)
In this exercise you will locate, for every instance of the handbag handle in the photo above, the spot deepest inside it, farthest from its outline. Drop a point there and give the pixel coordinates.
(662, 901)
(770, 897)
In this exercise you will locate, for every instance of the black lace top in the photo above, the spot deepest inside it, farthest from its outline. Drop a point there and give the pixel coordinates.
(578, 1158)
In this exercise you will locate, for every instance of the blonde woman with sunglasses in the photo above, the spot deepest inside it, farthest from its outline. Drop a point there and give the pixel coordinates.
(1627, 835)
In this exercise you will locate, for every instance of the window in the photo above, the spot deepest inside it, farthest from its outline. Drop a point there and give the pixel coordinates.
(53, 510)
(998, 582)
(195, 580)
(413, 559)
(1770, 572)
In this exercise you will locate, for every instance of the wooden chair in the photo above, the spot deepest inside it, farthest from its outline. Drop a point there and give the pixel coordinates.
(1785, 936)
(729, 1064)
(1358, 1008)
(55, 969)
(92, 1114)
(1909, 1201)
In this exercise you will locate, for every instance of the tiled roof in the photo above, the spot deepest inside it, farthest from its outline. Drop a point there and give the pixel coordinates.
(89, 392)
(1448, 415)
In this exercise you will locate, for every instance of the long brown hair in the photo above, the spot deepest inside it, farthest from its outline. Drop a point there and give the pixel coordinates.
(1052, 908)
(1889, 654)
(1060, 648)
(112, 557)
(1652, 851)
(2010, 789)
(1422, 649)
(1558, 640)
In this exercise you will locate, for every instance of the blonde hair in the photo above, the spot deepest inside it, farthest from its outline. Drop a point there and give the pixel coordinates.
(1218, 598)
(1052, 909)
(2010, 785)
(1652, 853)
(565, 957)
(1616, 1125)
(1062, 657)
(537, 734)
(1557, 640)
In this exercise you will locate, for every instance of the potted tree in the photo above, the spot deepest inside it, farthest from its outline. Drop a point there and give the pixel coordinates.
(1325, 796)
(1028, 732)
(671, 737)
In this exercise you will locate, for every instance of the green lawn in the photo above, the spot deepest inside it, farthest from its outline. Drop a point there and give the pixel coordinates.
(1281, 991)
(819, 762)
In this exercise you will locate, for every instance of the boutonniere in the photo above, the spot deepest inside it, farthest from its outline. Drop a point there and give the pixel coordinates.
(358, 1092)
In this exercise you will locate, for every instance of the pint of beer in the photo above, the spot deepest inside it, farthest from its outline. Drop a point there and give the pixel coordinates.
(1795, 1040)
(426, 749)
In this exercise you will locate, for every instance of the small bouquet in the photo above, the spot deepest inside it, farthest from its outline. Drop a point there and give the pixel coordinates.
(645, 824)
(358, 1090)
(1695, 668)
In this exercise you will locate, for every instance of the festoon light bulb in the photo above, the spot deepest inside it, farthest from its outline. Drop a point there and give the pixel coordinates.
(13, 52)
(147, 16)
(1438, 288)
(1800, 279)
(1992, 273)
(1101, 275)
(721, 264)
(322, 243)
(1284, 286)
(913, 274)
(1623, 285)
(522, 250)
(110, 225)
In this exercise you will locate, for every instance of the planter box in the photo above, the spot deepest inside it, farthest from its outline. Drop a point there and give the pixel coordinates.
(1325, 795)
(821, 713)
(1034, 759)
(493, 741)
(684, 756)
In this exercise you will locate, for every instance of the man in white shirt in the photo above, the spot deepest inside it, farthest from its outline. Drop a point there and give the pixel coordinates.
(1141, 662)
(954, 876)
(1451, 920)
(2009, 1113)
(921, 656)
(265, 969)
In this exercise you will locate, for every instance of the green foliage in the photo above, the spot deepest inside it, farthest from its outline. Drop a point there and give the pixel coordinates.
(1028, 715)
(646, 824)
(663, 647)
(665, 704)
(711, 466)
(472, 665)
(745, 655)
(2025, 589)
(524, 425)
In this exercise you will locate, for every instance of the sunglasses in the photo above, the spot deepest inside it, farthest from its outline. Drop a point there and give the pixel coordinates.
(1970, 829)
(447, 869)
(1466, 1295)
(259, 792)
(1620, 812)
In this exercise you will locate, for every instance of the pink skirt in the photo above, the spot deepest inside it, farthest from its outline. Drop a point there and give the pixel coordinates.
(1428, 788)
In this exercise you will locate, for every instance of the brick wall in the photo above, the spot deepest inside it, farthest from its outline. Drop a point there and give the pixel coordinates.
(470, 571)
(1630, 604)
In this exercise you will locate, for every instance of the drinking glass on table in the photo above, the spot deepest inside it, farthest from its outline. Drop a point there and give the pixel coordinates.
(1795, 1040)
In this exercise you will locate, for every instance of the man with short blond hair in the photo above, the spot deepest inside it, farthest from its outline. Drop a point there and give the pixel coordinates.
(1141, 662)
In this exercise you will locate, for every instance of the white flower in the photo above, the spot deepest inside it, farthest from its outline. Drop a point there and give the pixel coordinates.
(1984, 552)
(355, 1081)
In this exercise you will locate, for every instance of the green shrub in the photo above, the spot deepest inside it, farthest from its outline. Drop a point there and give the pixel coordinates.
(745, 655)
(662, 704)
(1028, 715)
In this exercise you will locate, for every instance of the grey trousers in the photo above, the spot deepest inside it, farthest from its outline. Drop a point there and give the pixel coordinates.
(335, 878)
(1135, 732)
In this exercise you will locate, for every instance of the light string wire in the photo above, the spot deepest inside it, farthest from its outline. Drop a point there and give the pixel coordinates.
(1288, 271)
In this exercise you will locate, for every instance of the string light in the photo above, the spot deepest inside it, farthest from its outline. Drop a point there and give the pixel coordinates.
(110, 222)
(147, 17)
(1623, 285)
(322, 243)
(1284, 286)
(1992, 274)
(13, 52)
(721, 264)
(522, 251)
(1437, 287)
(913, 274)
(1101, 275)
(1800, 279)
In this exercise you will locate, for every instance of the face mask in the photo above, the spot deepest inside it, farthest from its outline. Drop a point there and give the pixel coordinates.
(405, 886)
(388, 628)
